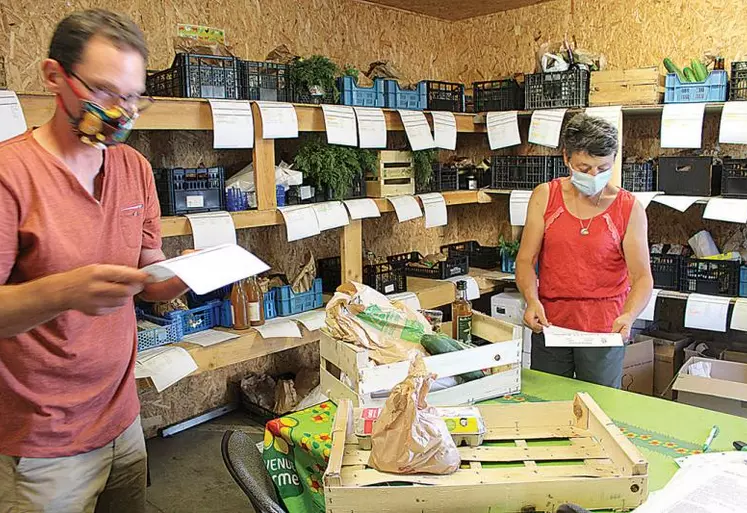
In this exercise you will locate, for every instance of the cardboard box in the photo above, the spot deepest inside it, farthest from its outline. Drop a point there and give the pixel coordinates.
(638, 366)
(669, 355)
(725, 390)
(641, 86)
(734, 356)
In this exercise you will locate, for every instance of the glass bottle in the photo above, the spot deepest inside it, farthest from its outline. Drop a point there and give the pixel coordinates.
(461, 314)
(239, 307)
(256, 302)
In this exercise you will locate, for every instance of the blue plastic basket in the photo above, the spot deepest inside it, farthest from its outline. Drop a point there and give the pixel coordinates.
(508, 264)
(743, 281)
(197, 319)
(168, 332)
(397, 98)
(226, 319)
(353, 94)
(288, 303)
(713, 89)
(280, 195)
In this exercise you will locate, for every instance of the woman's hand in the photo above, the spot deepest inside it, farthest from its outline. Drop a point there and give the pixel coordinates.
(622, 325)
(534, 316)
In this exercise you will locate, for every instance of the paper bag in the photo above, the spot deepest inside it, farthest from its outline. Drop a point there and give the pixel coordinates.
(409, 437)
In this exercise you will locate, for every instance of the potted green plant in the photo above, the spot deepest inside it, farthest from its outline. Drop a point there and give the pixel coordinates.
(422, 162)
(509, 250)
(314, 76)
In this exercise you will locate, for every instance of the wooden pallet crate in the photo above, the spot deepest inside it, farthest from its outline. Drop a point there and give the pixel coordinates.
(591, 464)
(367, 380)
(642, 86)
(394, 176)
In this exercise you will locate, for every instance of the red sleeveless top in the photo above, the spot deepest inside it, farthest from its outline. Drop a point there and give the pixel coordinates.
(583, 279)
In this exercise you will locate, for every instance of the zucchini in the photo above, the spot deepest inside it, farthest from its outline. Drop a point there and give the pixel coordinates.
(673, 68)
(438, 343)
(701, 73)
(689, 75)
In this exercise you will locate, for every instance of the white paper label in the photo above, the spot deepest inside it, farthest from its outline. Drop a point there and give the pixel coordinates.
(195, 202)
(254, 312)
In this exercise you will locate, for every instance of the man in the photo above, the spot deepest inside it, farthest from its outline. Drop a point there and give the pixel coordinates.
(79, 216)
(590, 239)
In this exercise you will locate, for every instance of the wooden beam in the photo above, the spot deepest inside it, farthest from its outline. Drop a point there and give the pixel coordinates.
(351, 251)
(264, 165)
(179, 225)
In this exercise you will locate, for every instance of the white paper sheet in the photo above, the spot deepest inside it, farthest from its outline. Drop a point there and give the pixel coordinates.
(164, 365)
(279, 120)
(712, 459)
(726, 209)
(739, 315)
(12, 120)
(733, 123)
(680, 203)
(371, 127)
(279, 328)
(339, 121)
(473, 289)
(612, 114)
(546, 126)
(331, 214)
(503, 129)
(233, 124)
(417, 129)
(300, 222)
(563, 337)
(211, 229)
(646, 197)
(682, 125)
(408, 298)
(444, 130)
(406, 207)
(362, 208)
(208, 338)
(313, 320)
(706, 312)
(648, 313)
(209, 269)
(517, 207)
(434, 206)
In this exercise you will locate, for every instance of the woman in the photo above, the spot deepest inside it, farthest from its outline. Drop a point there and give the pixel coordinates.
(590, 239)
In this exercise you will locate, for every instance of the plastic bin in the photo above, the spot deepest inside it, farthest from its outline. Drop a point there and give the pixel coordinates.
(187, 191)
(168, 332)
(289, 303)
(558, 169)
(638, 176)
(690, 176)
(666, 270)
(397, 98)
(738, 81)
(743, 281)
(356, 190)
(385, 277)
(713, 89)
(734, 178)
(197, 319)
(497, 95)
(196, 76)
(353, 94)
(226, 316)
(455, 265)
(713, 277)
(519, 172)
(448, 96)
(557, 89)
(329, 98)
(484, 257)
(444, 178)
(508, 263)
(236, 200)
(265, 81)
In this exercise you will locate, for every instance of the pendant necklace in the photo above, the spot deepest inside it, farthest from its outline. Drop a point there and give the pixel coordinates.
(585, 229)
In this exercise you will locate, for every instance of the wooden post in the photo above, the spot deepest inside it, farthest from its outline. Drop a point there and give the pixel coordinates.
(264, 165)
(617, 168)
(351, 251)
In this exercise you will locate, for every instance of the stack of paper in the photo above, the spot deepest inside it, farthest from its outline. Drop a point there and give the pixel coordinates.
(164, 365)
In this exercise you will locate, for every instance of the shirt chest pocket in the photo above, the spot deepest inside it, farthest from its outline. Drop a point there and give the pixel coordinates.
(131, 225)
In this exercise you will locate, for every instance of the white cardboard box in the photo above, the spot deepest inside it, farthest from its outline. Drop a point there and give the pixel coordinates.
(508, 307)
(725, 390)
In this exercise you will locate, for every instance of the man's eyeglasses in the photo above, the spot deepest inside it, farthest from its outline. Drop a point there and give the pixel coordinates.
(108, 98)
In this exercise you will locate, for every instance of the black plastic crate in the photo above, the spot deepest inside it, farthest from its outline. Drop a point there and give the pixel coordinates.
(265, 81)
(690, 176)
(712, 277)
(558, 169)
(196, 76)
(445, 96)
(497, 95)
(455, 265)
(666, 270)
(638, 176)
(445, 177)
(519, 172)
(189, 191)
(329, 98)
(734, 178)
(484, 257)
(738, 83)
(385, 277)
(557, 89)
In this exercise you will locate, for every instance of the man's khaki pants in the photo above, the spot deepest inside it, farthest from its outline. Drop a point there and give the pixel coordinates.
(110, 479)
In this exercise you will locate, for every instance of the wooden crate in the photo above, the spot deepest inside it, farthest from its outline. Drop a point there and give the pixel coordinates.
(601, 469)
(503, 356)
(642, 86)
(395, 175)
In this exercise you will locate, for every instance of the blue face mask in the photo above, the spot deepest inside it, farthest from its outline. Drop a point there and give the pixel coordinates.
(589, 185)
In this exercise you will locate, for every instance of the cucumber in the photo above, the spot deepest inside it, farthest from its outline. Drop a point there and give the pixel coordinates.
(438, 343)
(701, 73)
(689, 75)
(673, 68)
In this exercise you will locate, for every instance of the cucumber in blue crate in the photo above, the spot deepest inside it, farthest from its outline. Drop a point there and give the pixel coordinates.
(438, 343)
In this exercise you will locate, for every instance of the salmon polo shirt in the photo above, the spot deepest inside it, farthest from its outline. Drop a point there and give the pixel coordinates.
(68, 386)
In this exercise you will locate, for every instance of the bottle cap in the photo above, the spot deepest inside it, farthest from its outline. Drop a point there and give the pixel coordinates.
(461, 285)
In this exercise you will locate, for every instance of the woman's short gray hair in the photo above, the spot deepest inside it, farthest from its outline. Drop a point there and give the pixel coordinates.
(595, 136)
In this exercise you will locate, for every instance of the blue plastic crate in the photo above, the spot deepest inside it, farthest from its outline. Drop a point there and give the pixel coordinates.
(397, 98)
(743, 281)
(280, 195)
(713, 89)
(508, 264)
(289, 303)
(226, 319)
(168, 332)
(353, 94)
(197, 319)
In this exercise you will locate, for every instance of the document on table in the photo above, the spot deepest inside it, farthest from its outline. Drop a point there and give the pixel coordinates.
(417, 129)
(518, 204)
(473, 289)
(648, 313)
(212, 229)
(444, 130)
(739, 315)
(339, 120)
(209, 269)
(546, 126)
(682, 125)
(164, 365)
(563, 337)
(434, 206)
(733, 123)
(331, 214)
(706, 312)
(712, 458)
(726, 209)
(408, 298)
(313, 320)
(12, 120)
(300, 222)
(612, 114)
(362, 208)
(503, 129)
(371, 127)
(279, 120)
(279, 328)
(680, 203)
(407, 208)
(233, 124)
(646, 197)
(208, 338)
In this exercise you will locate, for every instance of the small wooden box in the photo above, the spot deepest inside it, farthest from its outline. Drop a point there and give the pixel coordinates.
(642, 86)
(395, 175)
(503, 355)
(601, 468)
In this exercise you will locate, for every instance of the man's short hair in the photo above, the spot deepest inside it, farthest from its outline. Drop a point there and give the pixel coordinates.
(595, 136)
(73, 33)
